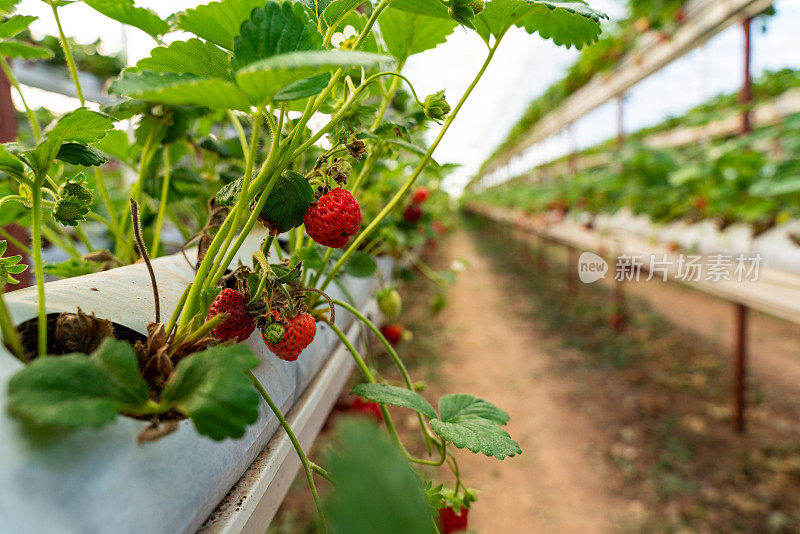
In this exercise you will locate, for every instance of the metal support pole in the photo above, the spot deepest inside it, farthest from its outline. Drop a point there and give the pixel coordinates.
(740, 368)
(746, 94)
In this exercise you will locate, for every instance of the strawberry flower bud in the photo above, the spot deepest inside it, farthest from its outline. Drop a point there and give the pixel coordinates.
(435, 107)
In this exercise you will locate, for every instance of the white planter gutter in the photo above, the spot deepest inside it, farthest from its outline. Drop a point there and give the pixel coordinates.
(99, 481)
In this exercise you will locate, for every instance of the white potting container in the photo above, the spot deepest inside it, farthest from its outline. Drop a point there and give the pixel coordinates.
(99, 481)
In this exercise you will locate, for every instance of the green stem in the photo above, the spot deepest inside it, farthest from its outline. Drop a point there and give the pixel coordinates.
(73, 70)
(53, 237)
(37, 131)
(178, 307)
(265, 275)
(36, 242)
(308, 467)
(387, 417)
(84, 239)
(398, 197)
(162, 207)
(9, 331)
(239, 130)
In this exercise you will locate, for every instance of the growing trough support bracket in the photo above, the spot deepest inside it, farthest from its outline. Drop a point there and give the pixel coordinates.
(739, 368)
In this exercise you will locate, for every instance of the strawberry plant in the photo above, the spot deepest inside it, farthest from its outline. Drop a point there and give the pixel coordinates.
(224, 141)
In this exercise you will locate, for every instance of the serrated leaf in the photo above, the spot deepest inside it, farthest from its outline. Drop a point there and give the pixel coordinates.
(13, 25)
(408, 33)
(262, 79)
(170, 88)
(11, 164)
(287, 202)
(474, 423)
(374, 488)
(213, 388)
(477, 435)
(337, 10)
(360, 265)
(387, 394)
(229, 193)
(75, 390)
(463, 405)
(19, 50)
(277, 28)
(201, 58)
(125, 12)
(218, 22)
(80, 126)
(566, 23)
(317, 7)
(78, 154)
(70, 268)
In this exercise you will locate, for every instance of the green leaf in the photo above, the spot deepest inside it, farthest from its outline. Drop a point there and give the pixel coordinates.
(8, 6)
(125, 12)
(400, 143)
(337, 10)
(13, 25)
(317, 7)
(80, 126)
(566, 23)
(170, 88)
(470, 422)
(76, 390)
(374, 488)
(408, 33)
(430, 8)
(70, 268)
(277, 28)
(386, 394)
(229, 194)
(78, 154)
(218, 22)
(11, 164)
(261, 80)
(462, 405)
(287, 202)
(213, 388)
(360, 265)
(303, 88)
(19, 50)
(194, 56)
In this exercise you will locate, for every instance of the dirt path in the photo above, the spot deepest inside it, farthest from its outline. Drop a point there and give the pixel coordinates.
(557, 484)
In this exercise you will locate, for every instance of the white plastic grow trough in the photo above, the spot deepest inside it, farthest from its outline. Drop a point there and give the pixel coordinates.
(99, 481)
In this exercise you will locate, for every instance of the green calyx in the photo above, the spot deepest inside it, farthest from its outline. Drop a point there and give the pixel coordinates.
(73, 201)
(477, 6)
(274, 333)
(436, 107)
(464, 11)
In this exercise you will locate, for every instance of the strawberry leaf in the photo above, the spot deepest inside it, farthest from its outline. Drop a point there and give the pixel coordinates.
(566, 23)
(408, 33)
(276, 28)
(360, 265)
(375, 489)
(212, 387)
(386, 394)
(78, 154)
(125, 12)
(287, 202)
(470, 422)
(217, 22)
(14, 25)
(20, 50)
(171, 88)
(194, 56)
(75, 390)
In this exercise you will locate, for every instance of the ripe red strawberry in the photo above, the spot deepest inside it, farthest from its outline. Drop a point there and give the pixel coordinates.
(333, 219)
(393, 333)
(370, 409)
(239, 325)
(412, 214)
(299, 333)
(452, 521)
(420, 195)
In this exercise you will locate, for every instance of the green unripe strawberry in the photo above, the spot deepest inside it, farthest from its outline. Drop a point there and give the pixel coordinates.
(476, 6)
(389, 302)
(274, 333)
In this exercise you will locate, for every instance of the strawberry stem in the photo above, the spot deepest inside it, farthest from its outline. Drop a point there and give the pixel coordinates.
(137, 233)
